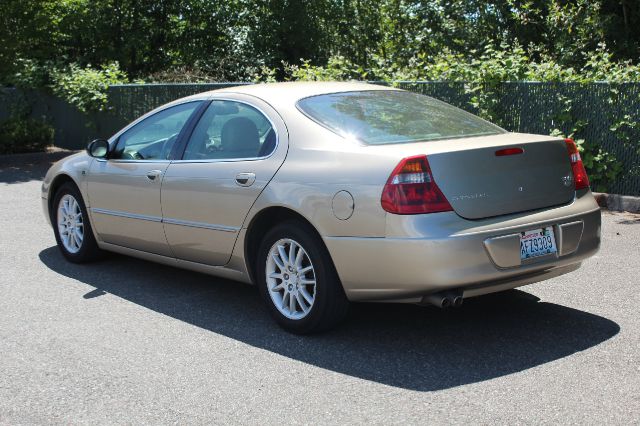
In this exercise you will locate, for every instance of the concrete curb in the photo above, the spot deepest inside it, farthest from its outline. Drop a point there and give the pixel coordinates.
(621, 203)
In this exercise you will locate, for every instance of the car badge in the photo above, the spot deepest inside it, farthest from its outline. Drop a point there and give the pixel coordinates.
(567, 180)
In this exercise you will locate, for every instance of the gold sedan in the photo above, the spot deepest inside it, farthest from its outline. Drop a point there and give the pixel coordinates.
(325, 193)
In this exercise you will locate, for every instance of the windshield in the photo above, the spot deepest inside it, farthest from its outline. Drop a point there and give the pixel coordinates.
(380, 117)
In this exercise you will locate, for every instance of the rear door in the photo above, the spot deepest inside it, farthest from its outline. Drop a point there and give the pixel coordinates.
(232, 153)
(124, 190)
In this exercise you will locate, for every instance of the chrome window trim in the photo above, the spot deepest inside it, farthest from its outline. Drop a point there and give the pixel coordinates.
(120, 160)
(220, 160)
(231, 160)
(157, 219)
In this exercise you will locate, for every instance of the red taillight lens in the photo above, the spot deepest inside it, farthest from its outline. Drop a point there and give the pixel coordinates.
(412, 190)
(579, 173)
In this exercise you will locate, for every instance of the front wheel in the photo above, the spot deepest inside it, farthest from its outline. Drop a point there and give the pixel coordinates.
(71, 226)
(298, 281)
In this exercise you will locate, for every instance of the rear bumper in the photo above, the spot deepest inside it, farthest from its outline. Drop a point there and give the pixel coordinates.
(447, 252)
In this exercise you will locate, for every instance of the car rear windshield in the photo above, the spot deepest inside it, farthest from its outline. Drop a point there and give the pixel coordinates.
(379, 117)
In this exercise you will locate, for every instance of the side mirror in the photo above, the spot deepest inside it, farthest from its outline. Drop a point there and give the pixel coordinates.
(98, 148)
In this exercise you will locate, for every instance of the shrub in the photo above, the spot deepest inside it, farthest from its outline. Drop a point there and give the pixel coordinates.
(603, 168)
(20, 134)
(86, 88)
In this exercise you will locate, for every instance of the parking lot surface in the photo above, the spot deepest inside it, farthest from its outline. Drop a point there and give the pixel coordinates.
(128, 341)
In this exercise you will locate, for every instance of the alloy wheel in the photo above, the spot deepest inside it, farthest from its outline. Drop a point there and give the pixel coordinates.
(70, 223)
(291, 279)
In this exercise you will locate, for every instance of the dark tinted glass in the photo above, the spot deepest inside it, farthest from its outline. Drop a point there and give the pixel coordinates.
(231, 130)
(391, 116)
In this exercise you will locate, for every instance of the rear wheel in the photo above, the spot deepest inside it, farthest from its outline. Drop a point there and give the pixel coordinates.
(298, 281)
(71, 226)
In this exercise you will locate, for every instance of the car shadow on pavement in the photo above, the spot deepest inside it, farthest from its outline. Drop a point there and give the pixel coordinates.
(406, 346)
(18, 168)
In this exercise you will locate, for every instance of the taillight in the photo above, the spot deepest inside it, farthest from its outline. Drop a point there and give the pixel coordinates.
(579, 173)
(411, 189)
(509, 151)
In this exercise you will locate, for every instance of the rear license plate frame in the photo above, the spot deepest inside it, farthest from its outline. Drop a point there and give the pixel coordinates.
(537, 242)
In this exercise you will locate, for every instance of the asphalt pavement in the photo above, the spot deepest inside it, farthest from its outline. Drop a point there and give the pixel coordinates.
(128, 341)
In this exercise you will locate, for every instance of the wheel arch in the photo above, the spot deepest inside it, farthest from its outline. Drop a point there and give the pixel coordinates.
(261, 223)
(55, 185)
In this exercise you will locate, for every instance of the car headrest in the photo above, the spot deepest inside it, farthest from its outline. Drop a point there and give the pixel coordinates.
(240, 134)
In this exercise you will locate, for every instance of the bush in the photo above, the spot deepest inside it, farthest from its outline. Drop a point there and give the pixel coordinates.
(494, 64)
(20, 134)
(86, 88)
(603, 168)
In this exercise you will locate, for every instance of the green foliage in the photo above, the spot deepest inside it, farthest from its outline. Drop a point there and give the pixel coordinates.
(375, 39)
(337, 68)
(265, 75)
(30, 73)
(490, 66)
(603, 168)
(86, 88)
(625, 127)
(21, 134)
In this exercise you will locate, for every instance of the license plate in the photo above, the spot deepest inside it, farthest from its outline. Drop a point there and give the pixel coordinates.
(537, 242)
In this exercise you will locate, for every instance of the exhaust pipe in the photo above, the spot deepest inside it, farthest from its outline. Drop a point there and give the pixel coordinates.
(456, 299)
(444, 299)
(441, 300)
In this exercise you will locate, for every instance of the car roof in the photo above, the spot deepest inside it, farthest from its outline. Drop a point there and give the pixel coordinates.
(291, 92)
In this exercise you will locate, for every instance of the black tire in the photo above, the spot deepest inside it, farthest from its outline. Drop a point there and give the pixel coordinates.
(88, 250)
(330, 305)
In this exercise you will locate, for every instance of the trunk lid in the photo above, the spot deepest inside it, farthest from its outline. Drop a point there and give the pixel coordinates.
(480, 184)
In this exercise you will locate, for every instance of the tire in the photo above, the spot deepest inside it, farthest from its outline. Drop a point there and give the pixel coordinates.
(74, 249)
(328, 305)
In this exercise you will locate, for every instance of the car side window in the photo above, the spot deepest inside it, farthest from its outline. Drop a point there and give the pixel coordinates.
(154, 137)
(231, 130)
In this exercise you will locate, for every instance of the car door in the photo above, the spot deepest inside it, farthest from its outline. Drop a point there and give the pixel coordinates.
(232, 153)
(124, 190)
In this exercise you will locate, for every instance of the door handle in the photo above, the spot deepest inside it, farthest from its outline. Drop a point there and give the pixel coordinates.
(245, 179)
(153, 174)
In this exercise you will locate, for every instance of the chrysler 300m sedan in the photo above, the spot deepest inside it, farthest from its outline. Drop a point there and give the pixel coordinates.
(326, 193)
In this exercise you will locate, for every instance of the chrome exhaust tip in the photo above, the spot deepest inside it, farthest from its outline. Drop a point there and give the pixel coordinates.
(444, 299)
(440, 300)
(456, 301)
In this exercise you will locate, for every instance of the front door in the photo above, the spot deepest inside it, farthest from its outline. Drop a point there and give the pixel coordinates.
(231, 155)
(124, 190)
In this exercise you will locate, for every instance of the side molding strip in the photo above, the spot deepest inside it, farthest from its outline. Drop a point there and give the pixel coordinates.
(127, 215)
(169, 221)
(200, 225)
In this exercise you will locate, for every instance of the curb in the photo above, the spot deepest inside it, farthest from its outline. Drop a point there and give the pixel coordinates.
(620, 203)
